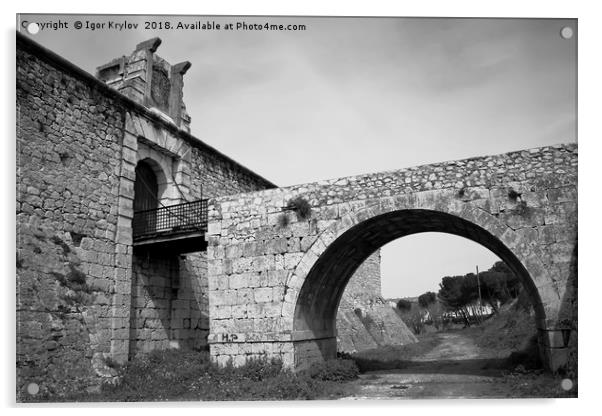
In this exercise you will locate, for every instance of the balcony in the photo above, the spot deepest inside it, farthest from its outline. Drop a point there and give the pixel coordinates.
(177, 228)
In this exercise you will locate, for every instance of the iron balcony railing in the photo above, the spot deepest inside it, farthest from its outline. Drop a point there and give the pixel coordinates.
(174, 219)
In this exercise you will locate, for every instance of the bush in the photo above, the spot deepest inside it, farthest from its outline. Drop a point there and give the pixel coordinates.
(255, 369)
(284, 386)
(190, 375)
(334, 370)
(404, 305)
(301, 207)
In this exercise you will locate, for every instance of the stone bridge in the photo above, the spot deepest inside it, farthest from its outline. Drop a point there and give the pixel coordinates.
(276, 276)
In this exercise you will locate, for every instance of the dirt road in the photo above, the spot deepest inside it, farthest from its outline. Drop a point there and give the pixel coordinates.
(455, 368)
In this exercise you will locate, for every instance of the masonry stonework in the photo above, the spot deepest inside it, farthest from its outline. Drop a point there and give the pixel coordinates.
(274, 285)
(70, 265)
(270, 282)
(365, 321)
(86, 296)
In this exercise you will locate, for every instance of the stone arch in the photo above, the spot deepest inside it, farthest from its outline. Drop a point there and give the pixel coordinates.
(316, 285)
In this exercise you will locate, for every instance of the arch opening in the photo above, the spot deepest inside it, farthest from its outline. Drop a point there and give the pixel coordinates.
(146, 188)
(320, 295)
(150, 186)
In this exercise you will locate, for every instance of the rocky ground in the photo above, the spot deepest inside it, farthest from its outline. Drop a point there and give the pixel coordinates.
(455, 368)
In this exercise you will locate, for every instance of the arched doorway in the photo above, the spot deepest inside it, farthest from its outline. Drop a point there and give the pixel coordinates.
(146, 198)
(314, 322)
(146, 188)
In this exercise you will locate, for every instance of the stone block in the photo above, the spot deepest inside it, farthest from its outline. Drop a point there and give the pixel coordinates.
(239, 311)
(244, 296)
(291, 260)
(214, 228)
(276, 278)
(264, 294)
(238, 281)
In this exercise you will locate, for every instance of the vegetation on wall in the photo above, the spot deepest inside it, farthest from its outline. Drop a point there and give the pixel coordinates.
(300, 206)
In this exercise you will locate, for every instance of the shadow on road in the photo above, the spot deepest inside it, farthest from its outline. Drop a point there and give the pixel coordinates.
(490, 367)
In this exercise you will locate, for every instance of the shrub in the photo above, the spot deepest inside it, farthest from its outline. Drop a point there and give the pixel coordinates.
(255, 369)
(283, 386)
(404, 305)
(301, 207)
(334, 370)
(190, 375)
(413, 319)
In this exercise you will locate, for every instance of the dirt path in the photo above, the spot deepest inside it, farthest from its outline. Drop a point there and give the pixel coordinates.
(455, 368)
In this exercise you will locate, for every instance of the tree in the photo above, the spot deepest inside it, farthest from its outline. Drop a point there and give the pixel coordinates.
(404, 305)
(455, 292)
(430, 302)
(498, 285)
(427, 299)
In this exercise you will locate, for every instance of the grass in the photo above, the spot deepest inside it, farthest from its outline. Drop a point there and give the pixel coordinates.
(532, 385)
(505, 332)
(175, 375)
(510, 334)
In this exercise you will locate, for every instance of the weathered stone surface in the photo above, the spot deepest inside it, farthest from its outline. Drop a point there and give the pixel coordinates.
(83, 296)
(368, 325)
(364, 320)
(521, 205)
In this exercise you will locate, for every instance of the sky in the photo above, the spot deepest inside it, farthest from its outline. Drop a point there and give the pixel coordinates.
(357, 95)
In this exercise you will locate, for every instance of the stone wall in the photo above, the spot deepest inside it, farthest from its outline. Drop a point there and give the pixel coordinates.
(371, 325)
(169, 303)
(364, 320)
(78, 143)
(180, 317)
(69, 266)
(365, 283)
(521, 205)
(216, 176)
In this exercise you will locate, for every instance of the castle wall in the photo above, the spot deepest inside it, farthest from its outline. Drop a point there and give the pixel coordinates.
(365, 282)
(179, 317)
(214, 176)
(84, 299)
(69, 264)
(169, 303)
